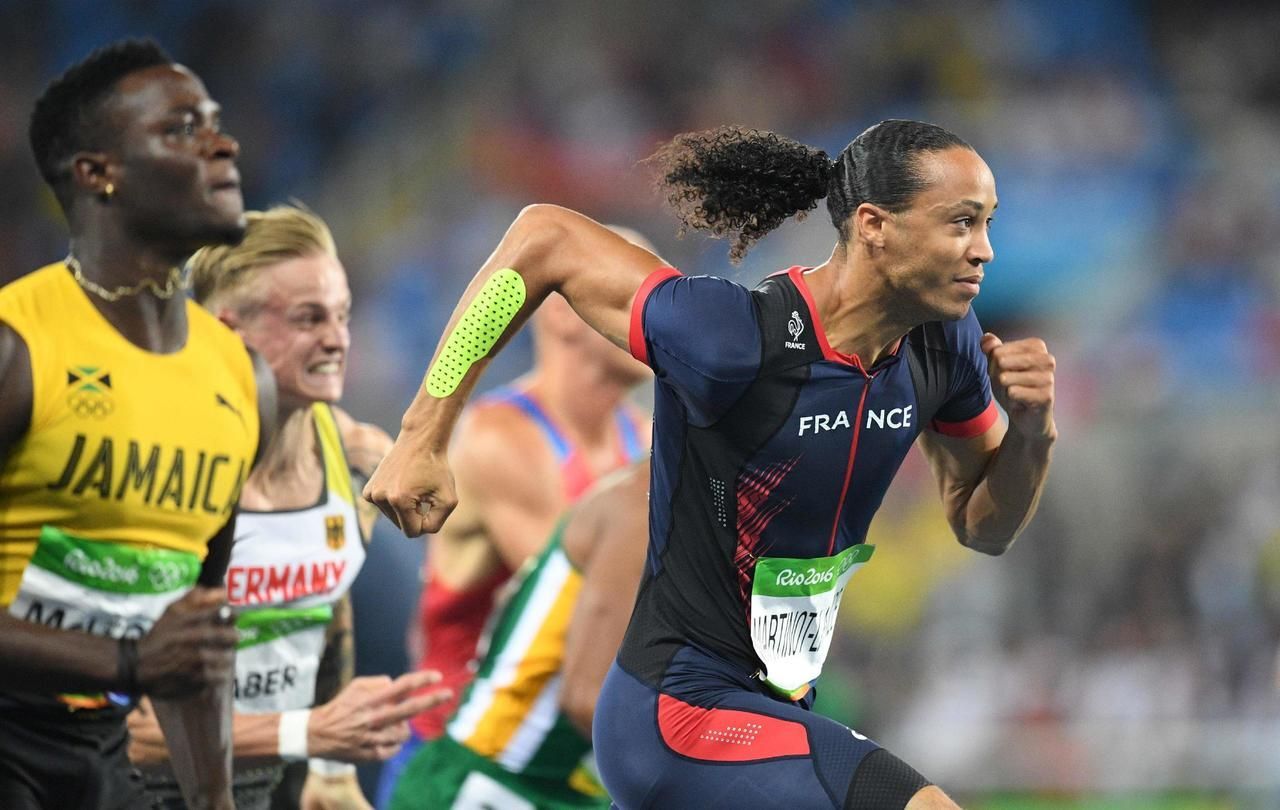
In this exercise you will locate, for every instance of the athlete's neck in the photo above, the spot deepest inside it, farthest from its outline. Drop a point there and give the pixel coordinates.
(856, 308)
(581, 396)
(288, 475)
(144, 319)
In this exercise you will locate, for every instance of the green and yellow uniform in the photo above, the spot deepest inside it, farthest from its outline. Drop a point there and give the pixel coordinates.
(131, 462)
(508, 744)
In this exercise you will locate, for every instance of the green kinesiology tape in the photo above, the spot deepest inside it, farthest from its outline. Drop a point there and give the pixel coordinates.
(487, 317)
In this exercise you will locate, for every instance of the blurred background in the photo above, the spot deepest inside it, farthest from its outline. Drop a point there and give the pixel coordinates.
(1124, 653)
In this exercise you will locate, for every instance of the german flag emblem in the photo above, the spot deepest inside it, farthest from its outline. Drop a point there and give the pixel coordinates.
(335, 531)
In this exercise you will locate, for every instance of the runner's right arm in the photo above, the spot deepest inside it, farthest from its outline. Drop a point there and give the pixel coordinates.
(547, 249)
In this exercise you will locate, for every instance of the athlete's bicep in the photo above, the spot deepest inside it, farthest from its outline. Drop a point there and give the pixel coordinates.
(958, 465)
(15, 380)
(597, 271)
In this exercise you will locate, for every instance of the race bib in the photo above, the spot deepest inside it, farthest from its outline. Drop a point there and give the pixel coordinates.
(482, 792)
(106, 589)
(794, 602)
(278, 657)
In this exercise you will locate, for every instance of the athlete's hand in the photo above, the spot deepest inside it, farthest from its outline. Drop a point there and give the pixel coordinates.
(368, 719)
(146, 740)
(332, 793)
(1022, 382)
(413, 488)
(191, 647)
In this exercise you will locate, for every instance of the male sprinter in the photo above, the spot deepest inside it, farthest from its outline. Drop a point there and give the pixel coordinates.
(129, 421)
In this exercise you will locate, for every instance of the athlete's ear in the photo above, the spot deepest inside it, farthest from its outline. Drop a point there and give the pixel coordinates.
(231, 319)
(868, 223)
(92, 171)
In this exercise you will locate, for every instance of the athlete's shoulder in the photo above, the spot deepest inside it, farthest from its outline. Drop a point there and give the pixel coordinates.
(365, 443)
(35, 286)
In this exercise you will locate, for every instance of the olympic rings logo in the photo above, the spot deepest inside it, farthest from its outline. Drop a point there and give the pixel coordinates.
(166, 576)
(84, 403)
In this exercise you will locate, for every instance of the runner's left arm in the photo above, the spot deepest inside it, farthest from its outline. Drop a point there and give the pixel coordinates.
(991, 483)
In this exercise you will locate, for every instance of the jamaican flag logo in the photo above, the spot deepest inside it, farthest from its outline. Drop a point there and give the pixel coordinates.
(90, 394)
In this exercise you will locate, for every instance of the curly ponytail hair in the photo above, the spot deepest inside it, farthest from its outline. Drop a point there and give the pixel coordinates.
(742, 183)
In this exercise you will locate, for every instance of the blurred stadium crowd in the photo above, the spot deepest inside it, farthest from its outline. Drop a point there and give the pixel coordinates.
(1128, 643)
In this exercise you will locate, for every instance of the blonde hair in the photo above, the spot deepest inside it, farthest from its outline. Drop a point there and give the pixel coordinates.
(280, 233)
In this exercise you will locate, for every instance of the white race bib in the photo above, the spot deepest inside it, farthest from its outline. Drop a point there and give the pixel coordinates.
(107, 589)
(278, 657)
(794, 602)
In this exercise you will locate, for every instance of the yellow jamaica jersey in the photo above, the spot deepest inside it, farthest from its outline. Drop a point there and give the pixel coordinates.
(128, 452)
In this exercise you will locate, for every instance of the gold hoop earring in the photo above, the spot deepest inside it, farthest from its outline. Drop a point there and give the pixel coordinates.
(108, 190)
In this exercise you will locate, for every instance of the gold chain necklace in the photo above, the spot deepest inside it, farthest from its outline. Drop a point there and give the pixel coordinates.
(171, 286)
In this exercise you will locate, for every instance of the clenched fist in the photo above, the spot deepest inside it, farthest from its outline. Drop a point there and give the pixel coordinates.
(1022, 381)
(190, 648)
(413, 487)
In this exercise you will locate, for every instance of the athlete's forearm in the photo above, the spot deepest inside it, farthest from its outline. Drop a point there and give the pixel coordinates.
(1007, 496)
(507, 289)
(256, 737)
(39, 658)
(547, 249)
(197, 732)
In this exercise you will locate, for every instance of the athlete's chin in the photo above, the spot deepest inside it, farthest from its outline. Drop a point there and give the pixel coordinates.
(951, 310)
(231, 230)
(329, 392)
(221, 230)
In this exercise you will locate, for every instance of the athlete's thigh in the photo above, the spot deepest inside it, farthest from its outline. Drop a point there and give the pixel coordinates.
(656, 750)
(855, 771)
(745, 750)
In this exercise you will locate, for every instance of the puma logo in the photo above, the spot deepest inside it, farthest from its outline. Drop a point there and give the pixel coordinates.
(224, 403)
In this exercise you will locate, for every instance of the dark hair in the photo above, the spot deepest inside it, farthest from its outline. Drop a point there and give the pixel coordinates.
(743, 183)
(64, 120)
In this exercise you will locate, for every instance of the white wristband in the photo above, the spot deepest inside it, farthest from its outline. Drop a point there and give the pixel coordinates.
(292, 743)
(330, 768)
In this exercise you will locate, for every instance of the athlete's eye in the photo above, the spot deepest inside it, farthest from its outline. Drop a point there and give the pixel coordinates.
(186, 128)
(965, 222)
